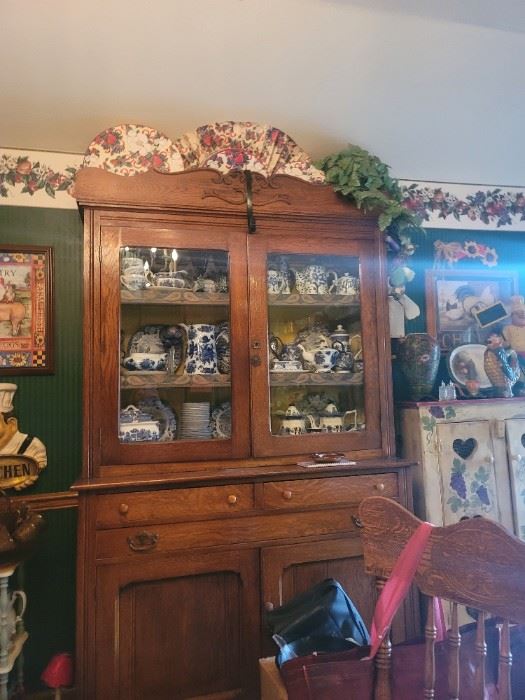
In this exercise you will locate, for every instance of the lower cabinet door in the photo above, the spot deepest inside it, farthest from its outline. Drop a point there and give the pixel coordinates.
(184, 626)
(291, 569)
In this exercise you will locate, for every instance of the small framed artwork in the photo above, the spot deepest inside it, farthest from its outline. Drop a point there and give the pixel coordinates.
(26, 310)
(462, 306)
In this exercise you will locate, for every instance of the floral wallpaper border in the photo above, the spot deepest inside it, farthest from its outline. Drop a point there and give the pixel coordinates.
(37, 178)
(44, 179)
(462, 206)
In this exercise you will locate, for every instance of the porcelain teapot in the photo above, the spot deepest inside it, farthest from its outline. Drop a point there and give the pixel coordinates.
(320, 360)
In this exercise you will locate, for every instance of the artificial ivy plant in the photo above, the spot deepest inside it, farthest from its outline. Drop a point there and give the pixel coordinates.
(364, 180)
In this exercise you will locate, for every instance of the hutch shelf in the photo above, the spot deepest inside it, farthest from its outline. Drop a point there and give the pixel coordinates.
(217, 362)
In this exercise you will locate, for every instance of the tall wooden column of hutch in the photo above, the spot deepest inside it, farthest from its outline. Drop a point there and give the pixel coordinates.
(185, 540)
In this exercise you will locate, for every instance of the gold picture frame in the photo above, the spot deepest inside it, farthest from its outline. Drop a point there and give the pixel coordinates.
(26, 310)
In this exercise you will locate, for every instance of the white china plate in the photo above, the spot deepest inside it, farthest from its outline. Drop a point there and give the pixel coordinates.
(146, 340)
(467, 362)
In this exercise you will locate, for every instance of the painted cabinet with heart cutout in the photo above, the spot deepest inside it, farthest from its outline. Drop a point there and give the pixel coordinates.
(471, 457)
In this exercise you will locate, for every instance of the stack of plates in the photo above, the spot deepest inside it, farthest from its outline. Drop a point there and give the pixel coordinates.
(195, 421)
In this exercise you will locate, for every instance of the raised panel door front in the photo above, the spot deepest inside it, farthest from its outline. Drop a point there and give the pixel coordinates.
(468, 478)
(515, 432)
(179, 628)
(292, 569)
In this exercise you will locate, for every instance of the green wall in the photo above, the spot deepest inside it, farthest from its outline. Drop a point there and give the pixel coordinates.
(50, 407)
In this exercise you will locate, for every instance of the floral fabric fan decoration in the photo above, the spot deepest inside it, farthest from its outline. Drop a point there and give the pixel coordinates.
(230, 145)
(129, 149)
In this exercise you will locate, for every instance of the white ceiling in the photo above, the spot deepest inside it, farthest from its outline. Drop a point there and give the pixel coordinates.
(433, 87)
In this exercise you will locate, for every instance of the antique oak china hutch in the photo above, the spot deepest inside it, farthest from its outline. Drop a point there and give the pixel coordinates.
(221, 350)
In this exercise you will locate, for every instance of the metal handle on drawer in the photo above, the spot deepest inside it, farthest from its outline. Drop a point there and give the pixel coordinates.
(232, 499)
(287, 495)
(356, 521)
(380, 486)
(143, 541)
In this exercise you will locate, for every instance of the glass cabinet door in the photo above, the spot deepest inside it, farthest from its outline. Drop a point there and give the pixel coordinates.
(174, 384)
(322, 350)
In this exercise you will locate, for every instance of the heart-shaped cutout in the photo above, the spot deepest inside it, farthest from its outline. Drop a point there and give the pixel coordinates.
(523, 439)
(464, 448)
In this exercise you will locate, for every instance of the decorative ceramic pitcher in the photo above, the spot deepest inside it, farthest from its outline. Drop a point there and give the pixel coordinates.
(200, 349)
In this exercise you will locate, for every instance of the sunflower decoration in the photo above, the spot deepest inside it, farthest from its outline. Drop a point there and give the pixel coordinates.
(479, 251)
(471, 249)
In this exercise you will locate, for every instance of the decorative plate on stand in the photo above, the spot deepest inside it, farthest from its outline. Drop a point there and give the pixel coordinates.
(162, 413)
(221, 421)
(261, 148)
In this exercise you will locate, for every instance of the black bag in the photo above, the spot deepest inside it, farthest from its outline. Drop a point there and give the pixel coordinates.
(320, 619)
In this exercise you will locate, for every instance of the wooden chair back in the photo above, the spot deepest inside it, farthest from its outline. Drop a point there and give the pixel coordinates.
(475, 562)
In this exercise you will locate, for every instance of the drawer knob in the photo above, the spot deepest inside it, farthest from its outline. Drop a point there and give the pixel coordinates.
(268, 606)
(287, 495)
(123, 508)
(380, 486)
(232, 499)
(143, 541)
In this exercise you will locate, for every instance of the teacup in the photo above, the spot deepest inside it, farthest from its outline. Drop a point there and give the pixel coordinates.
(133, 281)
(325, 359)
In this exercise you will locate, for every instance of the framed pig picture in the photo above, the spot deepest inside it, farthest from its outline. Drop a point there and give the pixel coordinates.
(26, 310)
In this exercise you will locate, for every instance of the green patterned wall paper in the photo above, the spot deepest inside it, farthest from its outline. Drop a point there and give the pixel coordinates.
(48, 578)
(50, 406)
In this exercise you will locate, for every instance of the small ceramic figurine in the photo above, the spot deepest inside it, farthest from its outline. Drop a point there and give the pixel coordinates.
(13, 441)
(514, 333)
(501, 365)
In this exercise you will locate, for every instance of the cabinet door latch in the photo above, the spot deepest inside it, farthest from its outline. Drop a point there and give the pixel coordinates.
(498, 427)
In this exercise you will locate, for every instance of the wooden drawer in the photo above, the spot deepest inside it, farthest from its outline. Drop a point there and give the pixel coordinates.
(248, 530)
(137, 508)
(327, 491)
